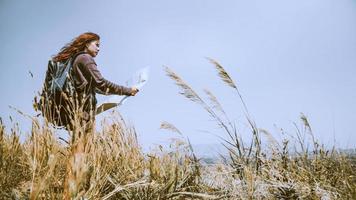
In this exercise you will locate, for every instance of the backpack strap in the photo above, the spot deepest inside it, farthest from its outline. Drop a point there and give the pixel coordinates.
(70, 61)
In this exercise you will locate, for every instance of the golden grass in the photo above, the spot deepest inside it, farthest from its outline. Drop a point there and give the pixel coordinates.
(110, 164)
(104, 165)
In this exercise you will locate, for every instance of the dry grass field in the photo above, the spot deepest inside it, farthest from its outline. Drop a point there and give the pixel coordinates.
(110, 164)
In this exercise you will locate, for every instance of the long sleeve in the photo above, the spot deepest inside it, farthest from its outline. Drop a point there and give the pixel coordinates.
(90, 70)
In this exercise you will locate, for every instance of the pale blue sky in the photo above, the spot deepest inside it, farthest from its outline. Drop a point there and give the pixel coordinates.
(286, 57)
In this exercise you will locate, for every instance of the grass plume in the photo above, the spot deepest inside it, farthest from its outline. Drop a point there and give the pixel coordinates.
(110, 164)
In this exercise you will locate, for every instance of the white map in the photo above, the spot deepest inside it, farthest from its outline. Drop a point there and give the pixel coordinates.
(138, 80)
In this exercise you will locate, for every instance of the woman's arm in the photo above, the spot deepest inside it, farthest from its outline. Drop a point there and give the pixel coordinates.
(100, 82)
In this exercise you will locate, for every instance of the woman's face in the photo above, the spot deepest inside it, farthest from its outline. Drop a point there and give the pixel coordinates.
(93, 48)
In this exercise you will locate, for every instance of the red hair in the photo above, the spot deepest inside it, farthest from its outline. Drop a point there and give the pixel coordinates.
(77, 45)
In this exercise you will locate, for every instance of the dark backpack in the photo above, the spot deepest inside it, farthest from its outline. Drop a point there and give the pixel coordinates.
(56, 100)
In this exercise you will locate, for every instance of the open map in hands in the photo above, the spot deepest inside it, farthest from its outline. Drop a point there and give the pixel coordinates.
(138, 80)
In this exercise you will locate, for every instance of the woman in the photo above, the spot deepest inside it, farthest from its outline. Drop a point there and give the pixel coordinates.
(87, 78)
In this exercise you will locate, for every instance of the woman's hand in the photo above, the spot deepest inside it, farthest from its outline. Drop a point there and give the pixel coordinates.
(134, 91)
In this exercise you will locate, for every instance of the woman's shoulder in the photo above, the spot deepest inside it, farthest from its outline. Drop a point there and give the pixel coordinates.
(84, 58)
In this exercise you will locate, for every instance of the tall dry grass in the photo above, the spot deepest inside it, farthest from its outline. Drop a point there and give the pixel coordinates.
(110, 164)
(277, 171)
(104, 165)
